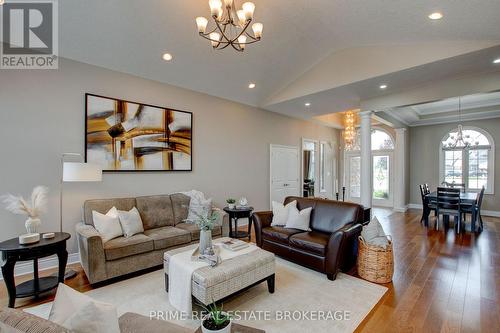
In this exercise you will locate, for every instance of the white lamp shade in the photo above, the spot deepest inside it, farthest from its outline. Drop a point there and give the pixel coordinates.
(81, 172)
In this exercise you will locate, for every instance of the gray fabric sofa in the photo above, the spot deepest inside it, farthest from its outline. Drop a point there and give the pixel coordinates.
(12, 320)
(164, 228)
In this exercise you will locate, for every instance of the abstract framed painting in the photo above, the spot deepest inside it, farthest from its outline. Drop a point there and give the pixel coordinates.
(124, 136)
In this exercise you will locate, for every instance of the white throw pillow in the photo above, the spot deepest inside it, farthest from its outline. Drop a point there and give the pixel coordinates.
(280, 213)
(198, 206)
(374, 234)
(299, 219)
(108, 226)
(81, 314)
(131, 222)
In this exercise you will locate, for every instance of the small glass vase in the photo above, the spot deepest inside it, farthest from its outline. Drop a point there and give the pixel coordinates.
(32, 225)
(205, 240)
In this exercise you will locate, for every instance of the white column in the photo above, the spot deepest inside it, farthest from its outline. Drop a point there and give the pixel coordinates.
(400, 171)
(366, 158)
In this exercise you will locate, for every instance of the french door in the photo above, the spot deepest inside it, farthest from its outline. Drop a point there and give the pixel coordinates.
(382, 165)
(382, 177)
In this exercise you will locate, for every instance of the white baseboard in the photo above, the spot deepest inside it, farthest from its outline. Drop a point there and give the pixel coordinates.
(400, 209)
(414, 206)
(26, 267)
(492, 213)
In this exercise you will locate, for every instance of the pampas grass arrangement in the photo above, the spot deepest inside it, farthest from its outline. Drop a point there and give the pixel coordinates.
(18, 205)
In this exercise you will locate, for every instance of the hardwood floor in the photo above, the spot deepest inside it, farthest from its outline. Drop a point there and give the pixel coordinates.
(442, 282)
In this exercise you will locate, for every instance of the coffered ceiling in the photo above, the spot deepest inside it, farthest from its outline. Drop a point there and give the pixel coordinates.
(333, 50)
(473, 107)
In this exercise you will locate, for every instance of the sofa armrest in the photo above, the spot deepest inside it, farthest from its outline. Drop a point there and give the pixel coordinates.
(154, 323)
(91, 252)
(349, 247)
(222, 220)
(261, 220)
(340, 248)
(15, 320)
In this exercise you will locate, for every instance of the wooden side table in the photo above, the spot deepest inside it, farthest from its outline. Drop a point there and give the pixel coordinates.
(239, 213)
(13, 252)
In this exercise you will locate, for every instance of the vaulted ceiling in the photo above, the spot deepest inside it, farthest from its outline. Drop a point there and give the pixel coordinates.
(334, 50)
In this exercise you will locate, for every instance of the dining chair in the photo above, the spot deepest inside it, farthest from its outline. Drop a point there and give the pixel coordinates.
(448, 203)
(474, 210)
(427, 204)
(478, 210)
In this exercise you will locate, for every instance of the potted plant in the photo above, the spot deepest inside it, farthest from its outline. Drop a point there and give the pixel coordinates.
(206, 222)
(216, 320)
(33, 209)
(231, 203)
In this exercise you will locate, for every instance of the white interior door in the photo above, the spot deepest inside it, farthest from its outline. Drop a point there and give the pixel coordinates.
(285, 172)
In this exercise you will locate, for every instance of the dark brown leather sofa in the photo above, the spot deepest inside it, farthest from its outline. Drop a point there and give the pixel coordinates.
(330, 246)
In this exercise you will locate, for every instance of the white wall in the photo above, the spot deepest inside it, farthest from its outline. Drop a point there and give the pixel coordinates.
(42, 115)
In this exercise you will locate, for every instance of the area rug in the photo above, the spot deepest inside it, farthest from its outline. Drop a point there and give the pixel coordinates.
(304, 301)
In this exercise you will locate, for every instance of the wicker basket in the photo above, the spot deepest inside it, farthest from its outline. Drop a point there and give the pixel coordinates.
(375, 263)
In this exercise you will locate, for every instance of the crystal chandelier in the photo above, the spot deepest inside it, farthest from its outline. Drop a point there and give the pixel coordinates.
(460, 140)
(230, 25)
(349, 131)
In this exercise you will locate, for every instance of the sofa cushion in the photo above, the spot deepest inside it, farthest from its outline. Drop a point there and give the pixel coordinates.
(123, 247)
(180, 207)
(165, 237)
(312, 241)
(156, 211)
(195, 230)
(104, 205)
(278, 234)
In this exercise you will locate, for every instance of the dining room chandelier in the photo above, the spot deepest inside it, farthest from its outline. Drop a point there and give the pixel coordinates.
(349, 130)
(231, 25)
(460, 140)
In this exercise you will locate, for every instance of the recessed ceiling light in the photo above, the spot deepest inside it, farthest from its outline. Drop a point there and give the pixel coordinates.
(167, 57)
(307, 104)
(2, 2)
(436, 16)
(383, 86)
(496, 61)
(251, 85)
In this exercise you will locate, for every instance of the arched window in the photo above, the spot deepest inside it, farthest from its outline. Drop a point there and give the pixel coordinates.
(472, 166)
(381, 140)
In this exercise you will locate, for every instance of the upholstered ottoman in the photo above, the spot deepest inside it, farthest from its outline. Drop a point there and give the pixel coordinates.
(211, 284)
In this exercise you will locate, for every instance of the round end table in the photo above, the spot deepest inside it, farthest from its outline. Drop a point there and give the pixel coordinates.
(13, 252)
(234, 215)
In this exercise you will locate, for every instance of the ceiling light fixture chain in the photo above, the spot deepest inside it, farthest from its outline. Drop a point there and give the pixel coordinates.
(462, 140)
(231, 25)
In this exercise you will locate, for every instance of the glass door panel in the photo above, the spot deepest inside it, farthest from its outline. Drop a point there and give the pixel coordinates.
(354, 189)
(381, 177)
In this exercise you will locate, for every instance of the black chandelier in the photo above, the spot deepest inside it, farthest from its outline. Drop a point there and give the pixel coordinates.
(231, 25)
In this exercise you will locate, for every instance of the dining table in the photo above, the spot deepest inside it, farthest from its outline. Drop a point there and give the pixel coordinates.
(466, 198)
